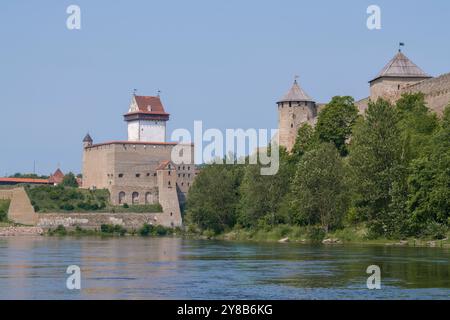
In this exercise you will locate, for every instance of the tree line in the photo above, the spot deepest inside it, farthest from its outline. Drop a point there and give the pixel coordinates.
(388, 171)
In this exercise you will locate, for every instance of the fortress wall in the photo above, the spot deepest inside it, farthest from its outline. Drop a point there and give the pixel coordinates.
(20, 210)
(98, 162)
(95, 220)
(436, 91)
(168, 197)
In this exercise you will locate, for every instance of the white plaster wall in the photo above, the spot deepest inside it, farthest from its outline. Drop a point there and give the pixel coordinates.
(147, 131)
(133, 131)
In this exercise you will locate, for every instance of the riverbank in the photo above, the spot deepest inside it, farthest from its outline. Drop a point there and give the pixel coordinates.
(13, 231)
(281, 234)
(296, 234)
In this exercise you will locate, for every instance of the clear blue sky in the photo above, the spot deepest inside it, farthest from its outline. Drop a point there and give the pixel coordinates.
(223, 62)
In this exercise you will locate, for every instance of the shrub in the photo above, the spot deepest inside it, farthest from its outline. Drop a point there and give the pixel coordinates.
(315, 234)
(113, 229)
(4, 207)
(145, 230)
(59, 231)
(436, 231)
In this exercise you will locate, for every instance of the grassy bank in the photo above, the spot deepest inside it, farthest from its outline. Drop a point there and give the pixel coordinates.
(47, 199)
(348, 235)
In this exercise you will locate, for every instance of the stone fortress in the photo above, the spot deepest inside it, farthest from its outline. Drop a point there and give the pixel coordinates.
(140, 171)
(399, 76)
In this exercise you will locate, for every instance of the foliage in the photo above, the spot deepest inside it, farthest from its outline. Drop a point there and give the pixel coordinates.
(70, 180)
(428, 197)
(4, 206)
(150, 230)
(67, 199)
(111, 229)
(28, 176)
(319, 189)
(58, 231)
(385, 175)
(306, 140)
(213, 197)
(260, 195)
(335, 122)
(375, 162)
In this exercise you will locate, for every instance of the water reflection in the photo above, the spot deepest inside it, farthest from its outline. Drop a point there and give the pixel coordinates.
(171, 268)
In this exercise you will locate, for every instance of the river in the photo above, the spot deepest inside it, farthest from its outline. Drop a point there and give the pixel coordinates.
(174, 268)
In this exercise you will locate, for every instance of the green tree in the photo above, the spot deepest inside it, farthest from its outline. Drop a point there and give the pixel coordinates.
(335, 122)
(262, 195)
(214, 196)
(320, 194)
(70, 180)
(417, 124)
(375, 160)
(306, 140)
(429, 182)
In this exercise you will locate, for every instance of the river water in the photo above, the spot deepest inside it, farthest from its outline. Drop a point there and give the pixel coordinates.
(173, 268)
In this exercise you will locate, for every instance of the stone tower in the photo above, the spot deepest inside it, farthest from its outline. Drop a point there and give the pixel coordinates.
(146, 119)
(87, 141)
(294, 109)
(398, 74)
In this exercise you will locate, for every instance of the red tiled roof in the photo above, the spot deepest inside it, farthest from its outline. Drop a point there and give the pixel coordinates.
(149, 104)
(25, 180)
(163, 165)
(57, 177)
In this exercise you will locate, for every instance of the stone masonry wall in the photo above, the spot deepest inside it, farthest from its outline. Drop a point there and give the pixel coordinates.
(436, 91)
(95, 220)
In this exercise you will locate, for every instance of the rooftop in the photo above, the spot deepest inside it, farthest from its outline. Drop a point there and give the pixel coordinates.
(296, 93)
(401, 66)
(23, 180)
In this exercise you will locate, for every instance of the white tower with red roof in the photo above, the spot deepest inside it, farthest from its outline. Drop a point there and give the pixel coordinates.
(146, 119)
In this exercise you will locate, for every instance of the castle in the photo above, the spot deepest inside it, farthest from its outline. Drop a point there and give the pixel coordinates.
(399, 76)
(140, 171)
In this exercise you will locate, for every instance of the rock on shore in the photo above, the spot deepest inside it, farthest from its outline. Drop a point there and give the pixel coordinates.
(21, 231)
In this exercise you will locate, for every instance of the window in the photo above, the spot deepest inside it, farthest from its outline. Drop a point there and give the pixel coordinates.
(292, 125)
(135, 198)
(189, 168)
(121, 197)
(138, 175)
(148, 174)
(120, 175)
(169, 183)
(148, 198)
(169, 173)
